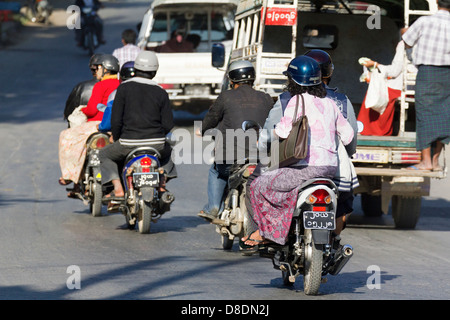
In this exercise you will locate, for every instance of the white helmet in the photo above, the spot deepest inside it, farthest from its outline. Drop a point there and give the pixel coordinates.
(146, 61)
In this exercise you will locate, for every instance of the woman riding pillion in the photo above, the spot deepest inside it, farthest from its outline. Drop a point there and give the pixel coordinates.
(273, 195)
(72, 142)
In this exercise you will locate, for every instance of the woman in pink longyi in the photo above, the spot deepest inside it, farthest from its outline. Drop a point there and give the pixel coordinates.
(273, 195)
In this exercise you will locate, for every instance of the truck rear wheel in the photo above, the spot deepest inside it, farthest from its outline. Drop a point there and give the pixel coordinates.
(406, 211)
(371, 205)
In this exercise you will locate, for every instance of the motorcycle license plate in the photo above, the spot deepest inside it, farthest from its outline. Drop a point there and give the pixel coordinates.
(146, 179)
(322, 220)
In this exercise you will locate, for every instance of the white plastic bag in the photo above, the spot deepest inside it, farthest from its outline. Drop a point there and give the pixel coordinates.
(77, 117)
(377, 96)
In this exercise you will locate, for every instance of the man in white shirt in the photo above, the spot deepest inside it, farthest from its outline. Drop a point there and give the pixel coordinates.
(129, 51)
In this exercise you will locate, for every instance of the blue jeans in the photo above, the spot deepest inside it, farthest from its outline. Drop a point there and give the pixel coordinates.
(217, 182)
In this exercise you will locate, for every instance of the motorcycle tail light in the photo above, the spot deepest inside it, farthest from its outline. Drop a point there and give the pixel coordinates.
(99, 143)
(249, 170)
(146, 162)
(319, 196)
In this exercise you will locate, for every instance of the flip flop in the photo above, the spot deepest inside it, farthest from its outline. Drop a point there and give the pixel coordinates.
(73, 195)
(438, 169)
(206, 216)
(245, 246)
(112, 196)
(64, 182)
(416, 168)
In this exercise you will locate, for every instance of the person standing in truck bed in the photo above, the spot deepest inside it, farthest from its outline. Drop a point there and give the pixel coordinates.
(430, 37)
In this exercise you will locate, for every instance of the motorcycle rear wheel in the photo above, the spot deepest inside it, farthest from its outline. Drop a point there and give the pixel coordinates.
(145, 210)
(96, 201)
(312, 275)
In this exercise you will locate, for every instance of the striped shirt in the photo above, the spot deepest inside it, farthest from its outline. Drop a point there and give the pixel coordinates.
(127, 53)
(430, 36)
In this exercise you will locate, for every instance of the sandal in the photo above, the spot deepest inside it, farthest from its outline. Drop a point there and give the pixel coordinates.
(64, 182)
(206, 216)
(112, 196)
(74, 193)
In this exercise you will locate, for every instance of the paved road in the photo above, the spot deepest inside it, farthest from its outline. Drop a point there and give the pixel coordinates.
(46, 238)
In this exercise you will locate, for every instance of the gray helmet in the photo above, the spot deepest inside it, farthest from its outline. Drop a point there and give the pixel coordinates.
(146, 61)
(95, 59)
(241, 70)
(110, 63)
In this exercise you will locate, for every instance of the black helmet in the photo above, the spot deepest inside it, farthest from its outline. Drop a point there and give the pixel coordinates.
(305, 71)
(95, 60)
(110, 63)
(127, 71)
(324, 60)
(240, 71)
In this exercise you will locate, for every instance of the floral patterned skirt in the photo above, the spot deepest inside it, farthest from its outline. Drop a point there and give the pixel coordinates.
(273, 197)
(72, 149)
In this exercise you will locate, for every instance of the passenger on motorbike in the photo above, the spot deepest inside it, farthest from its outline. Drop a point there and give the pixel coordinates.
(72, 148)
(273, 195)
(95, 5)
(81, 93)
(126, 72)
(228, 112)
(345, 179)
(141, 116)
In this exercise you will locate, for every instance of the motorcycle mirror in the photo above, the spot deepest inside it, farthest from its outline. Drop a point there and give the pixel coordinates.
(250, 124)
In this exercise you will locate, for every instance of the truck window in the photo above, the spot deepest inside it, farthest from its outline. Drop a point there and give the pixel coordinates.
(193, 24)
(277, 39)
(320, 36)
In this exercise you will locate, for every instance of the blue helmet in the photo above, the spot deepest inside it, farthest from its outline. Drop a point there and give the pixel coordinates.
(324, 60)
(305, 71)
(127, 71)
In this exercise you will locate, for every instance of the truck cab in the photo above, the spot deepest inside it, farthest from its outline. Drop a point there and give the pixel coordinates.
(270, 33)
(187, 75)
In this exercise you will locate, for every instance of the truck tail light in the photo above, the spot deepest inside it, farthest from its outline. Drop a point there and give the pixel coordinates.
(406, 157)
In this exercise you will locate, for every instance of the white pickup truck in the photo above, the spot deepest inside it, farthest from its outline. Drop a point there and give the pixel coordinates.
(188, 77)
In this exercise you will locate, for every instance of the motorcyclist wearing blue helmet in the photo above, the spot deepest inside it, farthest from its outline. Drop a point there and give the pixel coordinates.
(345, 179)
(273, 195)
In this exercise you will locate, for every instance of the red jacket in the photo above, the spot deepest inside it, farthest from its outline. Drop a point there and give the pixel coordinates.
(100, 94)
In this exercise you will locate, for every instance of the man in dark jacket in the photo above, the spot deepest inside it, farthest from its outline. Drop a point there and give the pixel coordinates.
(141, 116)
(81, 93)
(227, 114)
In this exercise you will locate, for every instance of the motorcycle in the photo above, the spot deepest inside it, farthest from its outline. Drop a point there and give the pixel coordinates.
(39, 11)
(90, 183)
(311, 249)
(141, 176)
(233, 218)
(89, 34)
(231, 222)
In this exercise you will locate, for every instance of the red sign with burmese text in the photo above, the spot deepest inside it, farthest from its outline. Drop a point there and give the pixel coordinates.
(281, 16)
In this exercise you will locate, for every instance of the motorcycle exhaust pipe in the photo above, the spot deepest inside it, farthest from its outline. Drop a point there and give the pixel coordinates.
(340, 259)
(167, 198)
(164, 202)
